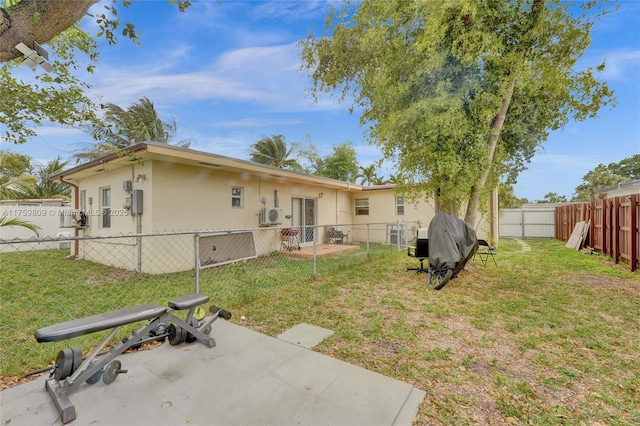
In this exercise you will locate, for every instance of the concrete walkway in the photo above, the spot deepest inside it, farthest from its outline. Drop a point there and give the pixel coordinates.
(247, 379)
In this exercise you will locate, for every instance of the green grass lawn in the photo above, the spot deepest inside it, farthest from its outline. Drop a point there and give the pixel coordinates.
(550, 336)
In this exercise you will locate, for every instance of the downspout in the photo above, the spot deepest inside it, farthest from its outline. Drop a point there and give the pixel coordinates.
(76, 206)
(341, 190)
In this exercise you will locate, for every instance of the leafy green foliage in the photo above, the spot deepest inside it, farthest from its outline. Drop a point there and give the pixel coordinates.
(273, 151)
(47, 188)
(121, 127)
(6, 221)
(368, 175)
(553, 197)
(13, 164)
(58, 97)
(507, 198)
(457, 94)
(603, 176)
(15, 175)
(17, 180)
(52, 97)
(341, 164)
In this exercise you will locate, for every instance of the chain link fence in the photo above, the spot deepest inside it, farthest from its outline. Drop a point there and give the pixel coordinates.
(54, 279)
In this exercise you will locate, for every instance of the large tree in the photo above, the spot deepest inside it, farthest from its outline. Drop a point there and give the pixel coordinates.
(58, 96)
(16, 178)
(341, 164)
(458, 93)
(273, 151)
(603, 176)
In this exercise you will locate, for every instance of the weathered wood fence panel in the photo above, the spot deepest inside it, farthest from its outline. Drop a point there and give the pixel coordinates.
(613, 226)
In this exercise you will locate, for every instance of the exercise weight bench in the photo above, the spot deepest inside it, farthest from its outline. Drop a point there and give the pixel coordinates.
(71, 370)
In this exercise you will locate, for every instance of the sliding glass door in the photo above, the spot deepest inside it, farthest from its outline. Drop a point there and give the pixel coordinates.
(303, 212)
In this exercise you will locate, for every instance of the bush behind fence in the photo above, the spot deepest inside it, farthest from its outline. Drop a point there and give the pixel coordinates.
(49, 280)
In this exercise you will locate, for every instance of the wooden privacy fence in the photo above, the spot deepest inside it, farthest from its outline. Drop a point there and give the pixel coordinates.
(613, 226)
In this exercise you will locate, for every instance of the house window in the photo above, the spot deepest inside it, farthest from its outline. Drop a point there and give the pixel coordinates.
(362, 206)
(236, 197)
(399, 206)
(105, 207)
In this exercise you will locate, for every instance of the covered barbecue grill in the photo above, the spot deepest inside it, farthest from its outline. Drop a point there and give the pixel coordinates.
(452, 243)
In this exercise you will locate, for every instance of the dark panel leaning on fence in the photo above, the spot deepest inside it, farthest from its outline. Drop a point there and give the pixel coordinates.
(613, 226)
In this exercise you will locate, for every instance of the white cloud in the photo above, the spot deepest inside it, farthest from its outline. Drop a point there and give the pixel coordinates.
(261, 75)
(58, 131)
(622, 64)
(235, 146)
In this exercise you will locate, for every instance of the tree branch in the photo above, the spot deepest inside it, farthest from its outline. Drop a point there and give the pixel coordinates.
(39, 21)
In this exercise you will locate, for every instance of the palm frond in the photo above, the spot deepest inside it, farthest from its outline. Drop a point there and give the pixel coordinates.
(16, 221)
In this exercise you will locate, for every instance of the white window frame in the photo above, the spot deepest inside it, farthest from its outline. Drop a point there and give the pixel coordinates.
(399, 205)
(362, 206)
(105, 208)
(237, 193)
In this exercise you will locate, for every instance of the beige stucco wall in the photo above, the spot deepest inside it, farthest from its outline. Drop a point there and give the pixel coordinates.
(122, 222)
(382, 211)
(117, 252)
(178, 198)
(188, 198)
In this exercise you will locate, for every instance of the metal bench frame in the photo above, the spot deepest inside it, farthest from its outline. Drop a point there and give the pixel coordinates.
(59, 390)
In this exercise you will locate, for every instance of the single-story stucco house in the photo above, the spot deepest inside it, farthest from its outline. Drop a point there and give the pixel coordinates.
(154, 188)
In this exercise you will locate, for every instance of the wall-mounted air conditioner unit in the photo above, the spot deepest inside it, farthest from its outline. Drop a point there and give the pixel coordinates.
(271, 216)
(72, 219)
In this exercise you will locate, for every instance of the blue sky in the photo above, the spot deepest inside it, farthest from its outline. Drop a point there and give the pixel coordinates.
(228, 73)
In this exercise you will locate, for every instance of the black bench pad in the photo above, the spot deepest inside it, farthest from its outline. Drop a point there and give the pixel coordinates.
(188, 301)
(82, 326)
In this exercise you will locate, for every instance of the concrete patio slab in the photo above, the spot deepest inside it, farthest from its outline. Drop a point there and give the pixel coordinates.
(247, 379)
(305, 335)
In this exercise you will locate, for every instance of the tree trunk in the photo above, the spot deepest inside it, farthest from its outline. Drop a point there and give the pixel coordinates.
(492, 143)
(39, 21)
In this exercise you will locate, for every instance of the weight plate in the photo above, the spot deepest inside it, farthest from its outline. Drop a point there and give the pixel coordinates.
(64, 364)
(77, 358)
(182, 333)
(176, 335)
(95, 378)
(199, 313)
(111, 372)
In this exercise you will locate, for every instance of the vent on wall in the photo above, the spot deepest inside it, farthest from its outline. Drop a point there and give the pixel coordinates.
(271, 216)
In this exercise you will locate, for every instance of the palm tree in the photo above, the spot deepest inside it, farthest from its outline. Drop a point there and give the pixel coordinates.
(123, 127)
(273, 151)
(16, 221)
(47, 188)
(394, 179)
(368, 175)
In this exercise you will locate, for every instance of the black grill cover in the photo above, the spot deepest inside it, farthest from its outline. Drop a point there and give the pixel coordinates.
(452, 243)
